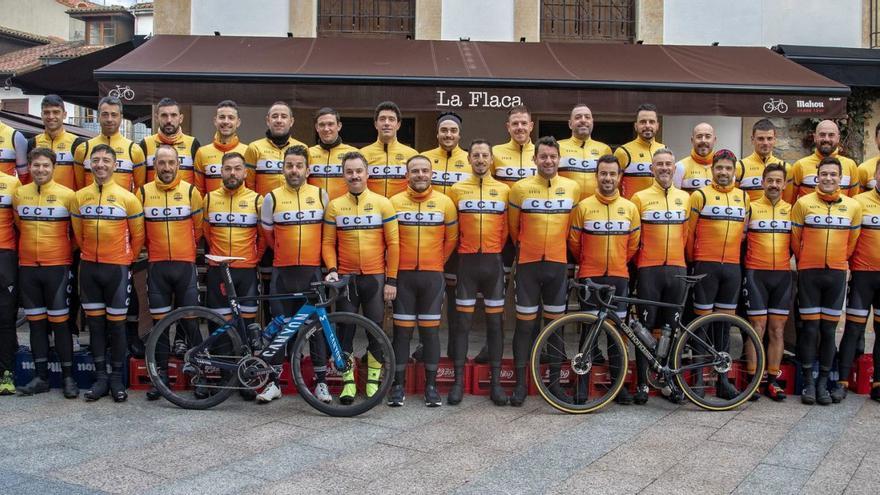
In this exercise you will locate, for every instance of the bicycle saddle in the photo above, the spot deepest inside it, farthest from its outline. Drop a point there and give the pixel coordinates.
(223, 259)
(692, 279)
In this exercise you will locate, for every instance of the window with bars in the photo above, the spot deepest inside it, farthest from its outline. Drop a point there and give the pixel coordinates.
(101, 32)
(367, 18)
(874, 15)
(588, 20)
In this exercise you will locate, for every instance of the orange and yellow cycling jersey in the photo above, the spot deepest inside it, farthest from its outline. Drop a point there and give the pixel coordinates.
(265, 163)
(512, 162)
(129, 162)
(8, 185)
(325, 168)
(824, 230)
(42, 215)
(866, 256)
(448, 167)
(804, 174)
(360, 235)
(769, 235)
(206, 165)
(635, 159)
(386, 164)
(604, 236)
(750, 176)
(538, 218)
(172, 219)
(109, 225)
(292, 221)
(231, 225)
(717, 224)
(693, 173)
(482, 214)
(428, 226)
(577, 161)
(186, 147)
(63, 146)
(664, 214)
(867, 171)
(13, 153)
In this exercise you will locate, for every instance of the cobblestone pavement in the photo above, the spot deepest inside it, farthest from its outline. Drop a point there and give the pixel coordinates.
(52, 445)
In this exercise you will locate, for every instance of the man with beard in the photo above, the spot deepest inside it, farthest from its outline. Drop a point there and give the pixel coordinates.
(129, 171)
(580, 152)
(805, 172)
(169, 118)
(173, 227)
(750, 169)
(825, 227)
(428, 224)
(325, 158)
(695, 171)
(635, 156)
(387, 156)
(207, 161)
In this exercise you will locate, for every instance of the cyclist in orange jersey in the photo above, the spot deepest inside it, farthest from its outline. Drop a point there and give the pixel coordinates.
(13, 152)
(635, 156)
(129, 172)
(8, 283)
(428, 224)
(387, 156)
(868, 168)
(173, 225)
(825, 227)
(109, 229)
(805, 171)
(579, 153)
(57, 139)
(206, 163)
(42, 216)
(864, 289)
(695, 171)
(768, 272)
(539, 221)
(750, 169)
(482, 217)
(325, 158)
(169, 119)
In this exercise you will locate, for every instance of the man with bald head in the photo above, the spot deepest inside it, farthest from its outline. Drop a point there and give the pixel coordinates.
(580, 152)
(695, 171)
(805, 171)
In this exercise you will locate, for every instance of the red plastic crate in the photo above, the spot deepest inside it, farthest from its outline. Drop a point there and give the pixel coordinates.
(736, 373)
(139, 379)
(334, 378)
(445, 376)
(566, 380)
(862, 374)
(481, 377)
(600, 377)
(786, 377)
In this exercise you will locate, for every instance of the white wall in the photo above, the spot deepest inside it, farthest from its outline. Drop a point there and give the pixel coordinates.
(486, 20)
(143, 24)
(235, 17)
(763, 22)
(677, 131)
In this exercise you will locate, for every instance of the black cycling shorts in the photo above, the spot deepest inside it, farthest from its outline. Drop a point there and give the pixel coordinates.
(621, 289)
(661, 284)
(265, 265)
(864, 292)
(767, 292)
(245, 282)
(171, 284)
(289, 279)
(419, 299)
(480, 274)
(450, 269)
(45, 292)
(105, 289)
(821, 293)
(366, 292)
(508, 256)
(537, 284)
(719, 290)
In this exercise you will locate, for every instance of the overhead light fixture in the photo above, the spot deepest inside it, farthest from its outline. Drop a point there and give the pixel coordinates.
(522, 40)
(714, 43)
(464, 38)
(216, 33)
(640, 42)
(289, 34)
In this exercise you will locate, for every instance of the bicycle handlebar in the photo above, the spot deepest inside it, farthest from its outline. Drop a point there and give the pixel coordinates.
(604, 293)
(340, 285)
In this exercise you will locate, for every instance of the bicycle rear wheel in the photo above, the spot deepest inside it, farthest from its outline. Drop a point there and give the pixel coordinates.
(710, 349)
(573, 381)
(367, 338)
(193, 385)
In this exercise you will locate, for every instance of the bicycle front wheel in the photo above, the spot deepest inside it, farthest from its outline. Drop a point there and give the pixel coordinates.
(369, 364)
(193, 384)
(577, 365)
(709, 355)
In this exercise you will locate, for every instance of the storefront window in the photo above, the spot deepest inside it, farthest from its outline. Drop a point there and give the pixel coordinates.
(367, 18)
(588, 20)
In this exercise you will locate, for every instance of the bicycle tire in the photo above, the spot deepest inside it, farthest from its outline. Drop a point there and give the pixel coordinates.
(301, 349)
(691, 339)
(178, 397)
(543, 347)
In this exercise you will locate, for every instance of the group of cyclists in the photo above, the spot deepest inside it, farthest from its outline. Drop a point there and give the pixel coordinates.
(414, 229)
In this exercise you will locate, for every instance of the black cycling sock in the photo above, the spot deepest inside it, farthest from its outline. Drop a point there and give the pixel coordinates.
(430, 377)
(63, 343)
(452, 322)
(522, 341)
(848, 343)
(642, 364)
(430, 346)
(402, 336)
(41, 368)
(459, 335)
(39, 339)
(459, 375)
(494, 337)
(827, 344)
(807, 341)
(97, 337)
(118, 349)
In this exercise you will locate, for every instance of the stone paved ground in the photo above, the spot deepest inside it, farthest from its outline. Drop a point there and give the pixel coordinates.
(52, 445)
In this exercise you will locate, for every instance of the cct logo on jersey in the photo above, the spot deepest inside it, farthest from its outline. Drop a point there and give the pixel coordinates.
(732, 213)
(607, 227)
(447, 178)
(638, 169)
(575, 164)
(358, 222)
(240, 220)
(326, 171)
(298, 217)
(420, 218)
(46, 213)
(871, 222)
(269, 166)
(481, 206)
(770, 226)
(514, 173)
(167, 213)
(666, 217)
(102, 212)
(828, 221)
(547, 206)
(387, 171)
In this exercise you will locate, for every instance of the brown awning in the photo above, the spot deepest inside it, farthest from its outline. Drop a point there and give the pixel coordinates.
(434, 75)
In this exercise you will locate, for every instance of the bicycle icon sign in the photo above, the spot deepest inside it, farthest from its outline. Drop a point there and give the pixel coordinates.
(775, 105)
(122, 92)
